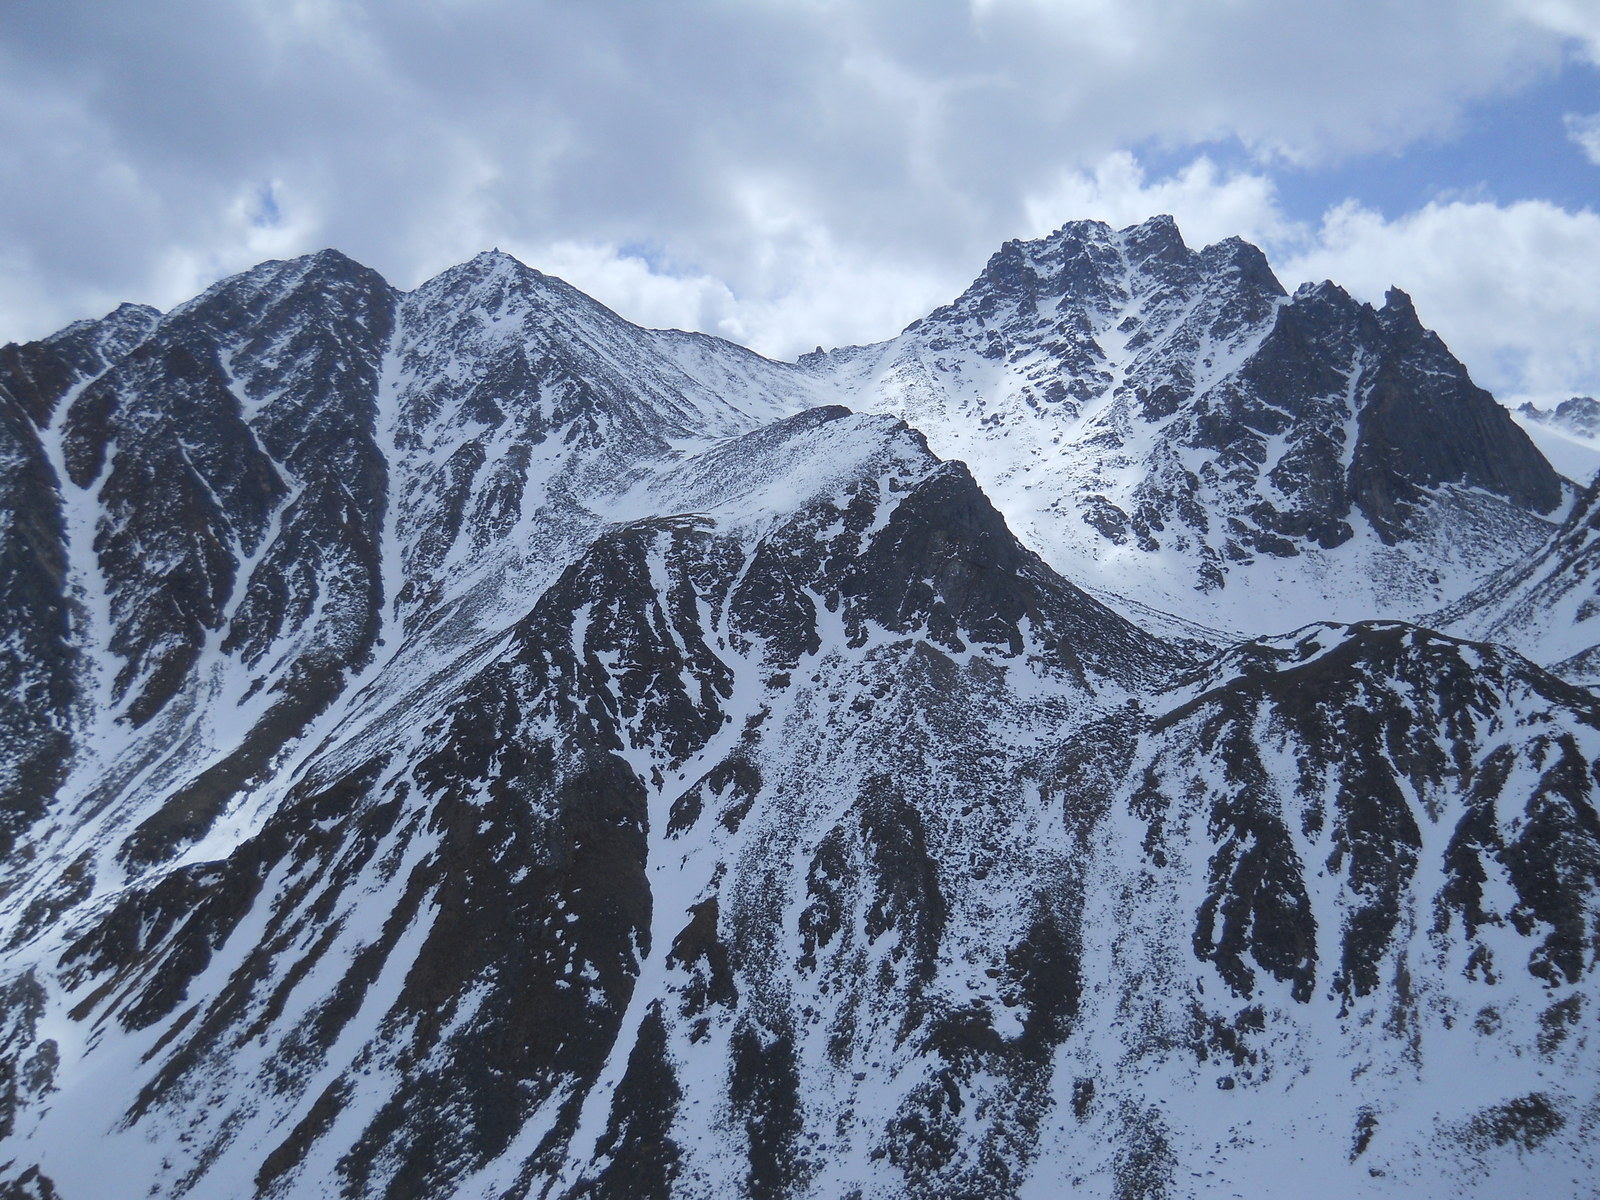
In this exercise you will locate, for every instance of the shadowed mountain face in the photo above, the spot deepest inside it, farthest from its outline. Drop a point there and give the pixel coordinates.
(40, 660)
(457, 743)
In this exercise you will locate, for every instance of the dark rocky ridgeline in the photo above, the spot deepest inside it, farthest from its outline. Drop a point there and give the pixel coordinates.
(433, 947)
(241, 496)
(254, 470)
(1418, 423)
(40, 671)
(1340, 383)
(422, 963)
(520, 402)
(1425, 423)
(246, 415)
(1391, 728)
(867, 987)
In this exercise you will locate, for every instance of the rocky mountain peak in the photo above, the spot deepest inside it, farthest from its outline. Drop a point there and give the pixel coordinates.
(1580, 416)
(1399, 311)
(1238, 257)
(1131, 401)
(1426, 424)
(503, 287)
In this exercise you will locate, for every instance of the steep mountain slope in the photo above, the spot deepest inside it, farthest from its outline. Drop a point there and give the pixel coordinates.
(40, 665)
(1168, 425)
(1371, 849)
(342, 970)
(266, 499)
(462, 744)
(1548, 606)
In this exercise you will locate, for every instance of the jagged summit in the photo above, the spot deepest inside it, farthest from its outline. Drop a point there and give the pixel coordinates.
(1579, 416)
(1089, 265)
(1170, 424)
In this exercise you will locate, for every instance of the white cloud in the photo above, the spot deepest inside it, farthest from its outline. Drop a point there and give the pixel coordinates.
(1511, 288)
(1585, 131)
(1576, 19)
(804, 171)
(833, 299)
(1209, 204)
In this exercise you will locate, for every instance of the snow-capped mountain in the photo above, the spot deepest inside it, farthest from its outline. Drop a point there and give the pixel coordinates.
(1579, 416)
(458, 743)
(1169, 426)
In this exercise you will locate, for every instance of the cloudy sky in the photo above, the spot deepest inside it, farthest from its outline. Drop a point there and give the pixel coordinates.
(789, 173)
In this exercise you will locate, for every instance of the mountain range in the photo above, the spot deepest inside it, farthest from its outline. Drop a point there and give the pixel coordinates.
(1132, 734)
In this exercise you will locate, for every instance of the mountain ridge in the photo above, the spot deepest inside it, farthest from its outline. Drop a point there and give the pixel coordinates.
(1129, 401)
(458, 742)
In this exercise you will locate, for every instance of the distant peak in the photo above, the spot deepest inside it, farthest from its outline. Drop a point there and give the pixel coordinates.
(1245, 258)
(1327, 288)
(1158, 236)
(1399, 313)
(318, 265)
(1159, 230)
(330, 255)
(1398, 302)
(125, 320)
(329, 261)
(493, 269)
(1161, 223)
(1072, 233)
(128, 323)
(128, 311)
(1087, 227)
(498, 260)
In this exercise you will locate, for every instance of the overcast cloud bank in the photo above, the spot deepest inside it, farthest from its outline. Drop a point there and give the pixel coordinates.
(783, 174)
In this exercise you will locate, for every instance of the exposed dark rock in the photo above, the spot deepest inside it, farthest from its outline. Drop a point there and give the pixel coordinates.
(1426, 424)
(765, 1090)
(641, 1159)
